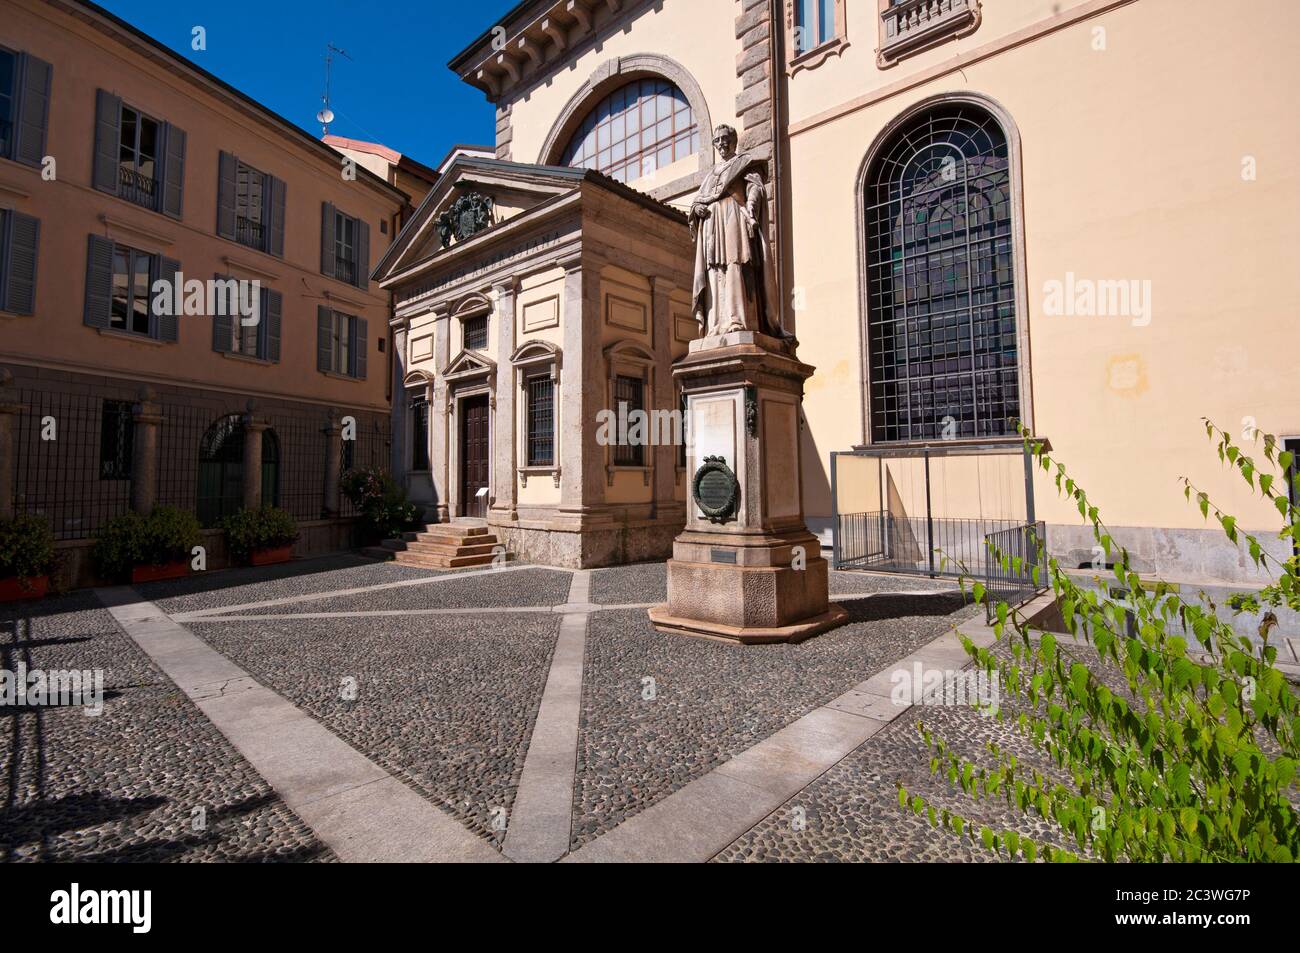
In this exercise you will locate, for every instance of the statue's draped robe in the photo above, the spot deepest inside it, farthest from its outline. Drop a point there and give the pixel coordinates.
(733, 264)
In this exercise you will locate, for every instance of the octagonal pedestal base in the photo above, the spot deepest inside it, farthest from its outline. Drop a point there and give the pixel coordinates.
(749, 635)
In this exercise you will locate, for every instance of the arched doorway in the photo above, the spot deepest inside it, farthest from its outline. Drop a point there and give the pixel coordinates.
(221, 470)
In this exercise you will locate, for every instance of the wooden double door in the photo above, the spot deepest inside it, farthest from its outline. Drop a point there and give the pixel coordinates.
(475, 448)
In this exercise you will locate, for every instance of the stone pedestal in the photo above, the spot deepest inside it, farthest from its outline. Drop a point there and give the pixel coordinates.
(745, 569)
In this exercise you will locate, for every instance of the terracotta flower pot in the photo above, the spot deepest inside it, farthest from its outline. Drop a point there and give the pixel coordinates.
(150, 573)
(269, 557)
(15, 589)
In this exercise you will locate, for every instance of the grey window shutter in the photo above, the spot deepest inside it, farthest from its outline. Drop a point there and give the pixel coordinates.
(272, 303)
(108, 141)
(227, 168)
(99, 282)
(363, 254)
(359, 328)
(168, 325)
(22, 237)
(324, 338)
(173, 171)
(327, 239)
(33, 109)
(222, 324)
(276, 237)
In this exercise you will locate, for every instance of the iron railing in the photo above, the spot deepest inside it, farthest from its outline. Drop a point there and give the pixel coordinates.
(137, 187)
(1014, 569)
(249, 232)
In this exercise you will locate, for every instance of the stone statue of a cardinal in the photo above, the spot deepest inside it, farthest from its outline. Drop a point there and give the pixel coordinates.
(735, 281)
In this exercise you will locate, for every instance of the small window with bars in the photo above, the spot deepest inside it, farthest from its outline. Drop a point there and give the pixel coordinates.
(420, 433)
(476, 333)
(541, 421)
(629, 391)
(116, 433)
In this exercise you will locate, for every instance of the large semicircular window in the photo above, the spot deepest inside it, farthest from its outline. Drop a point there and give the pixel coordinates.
(635, 131)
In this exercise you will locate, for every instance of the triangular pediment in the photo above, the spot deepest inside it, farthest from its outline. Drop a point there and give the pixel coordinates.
(471, 199)
(469, 364)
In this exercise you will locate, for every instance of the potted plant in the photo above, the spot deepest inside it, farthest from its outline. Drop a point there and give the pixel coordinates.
(381, 504)
(262, 537)
(149, 548)
(26, 557)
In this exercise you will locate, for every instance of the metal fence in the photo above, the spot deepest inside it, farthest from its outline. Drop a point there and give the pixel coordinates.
(1011, 558)
(74, 452)
(63, 470)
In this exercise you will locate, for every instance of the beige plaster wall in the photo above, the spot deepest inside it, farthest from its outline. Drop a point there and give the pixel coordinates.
(1132, 169)
(698, 35)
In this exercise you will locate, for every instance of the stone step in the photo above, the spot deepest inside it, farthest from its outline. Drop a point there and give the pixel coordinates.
(438, 561)
(442, 539)
(454, 529)
(439, 548)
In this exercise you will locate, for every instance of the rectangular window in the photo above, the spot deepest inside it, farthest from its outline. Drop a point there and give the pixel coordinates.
(541, 422)
(345, 248)
(138, 157)
(250, 205)
(132, 271)
(814, 24)
(8, 101)
(342, 344)
(476, 333)
(247, 339)
(116, 432)
(629, 396)
(420, 433)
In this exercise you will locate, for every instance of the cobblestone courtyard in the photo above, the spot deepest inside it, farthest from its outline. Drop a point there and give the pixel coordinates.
(335, 709)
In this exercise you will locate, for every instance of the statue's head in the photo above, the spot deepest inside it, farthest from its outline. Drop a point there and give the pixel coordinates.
(724, 140)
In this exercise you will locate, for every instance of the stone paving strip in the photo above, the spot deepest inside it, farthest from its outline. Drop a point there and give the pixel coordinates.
(541, 823)
(700, 820)
(355, 807)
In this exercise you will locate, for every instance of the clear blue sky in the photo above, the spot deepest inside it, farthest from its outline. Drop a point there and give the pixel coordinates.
(396, 89)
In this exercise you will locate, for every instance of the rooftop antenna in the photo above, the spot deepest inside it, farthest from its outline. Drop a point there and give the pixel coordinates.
(326, 115)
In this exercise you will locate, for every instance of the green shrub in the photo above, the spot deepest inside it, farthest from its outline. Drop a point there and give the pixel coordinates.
(1197, 760)
(267, 528)
(164, 536)
(381, 504)
(26, 547)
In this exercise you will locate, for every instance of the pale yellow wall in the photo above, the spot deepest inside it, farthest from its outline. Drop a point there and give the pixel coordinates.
(540, 296)
(70, 210)
(698, 35)
(1132, 170)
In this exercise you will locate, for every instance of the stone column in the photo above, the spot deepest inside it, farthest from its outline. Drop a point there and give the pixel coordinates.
(505, 488)
(333, 432)
(253, 428)
(144, 452)
(9, 411)
(398, 416)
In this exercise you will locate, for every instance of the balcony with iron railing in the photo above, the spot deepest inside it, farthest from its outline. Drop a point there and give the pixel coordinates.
(249, 232)
(908, 26)
(345, 270)
(6, 138)
(135, 186)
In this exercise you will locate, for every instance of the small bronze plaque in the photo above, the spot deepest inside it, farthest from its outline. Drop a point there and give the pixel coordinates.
(716, 490)
(722, 556)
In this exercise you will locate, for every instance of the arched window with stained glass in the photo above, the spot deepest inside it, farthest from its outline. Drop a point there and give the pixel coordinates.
(636, 130)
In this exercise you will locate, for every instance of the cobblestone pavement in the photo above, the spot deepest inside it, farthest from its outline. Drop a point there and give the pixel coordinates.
(447, 706)
(713, 699)
(521, 588)
(125, 785)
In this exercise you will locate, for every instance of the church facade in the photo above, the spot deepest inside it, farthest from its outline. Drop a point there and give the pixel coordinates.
(1065, 215)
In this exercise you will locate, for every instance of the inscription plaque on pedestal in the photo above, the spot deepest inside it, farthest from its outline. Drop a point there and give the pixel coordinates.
(716, 490)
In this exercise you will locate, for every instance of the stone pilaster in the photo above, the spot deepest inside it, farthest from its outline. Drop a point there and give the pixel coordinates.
(582, 395)
(9, 411)
(665, 394)
(400, 456)
(505, 486)
(147, 415)
(440, 416)
(333, 464)
(254, 427)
